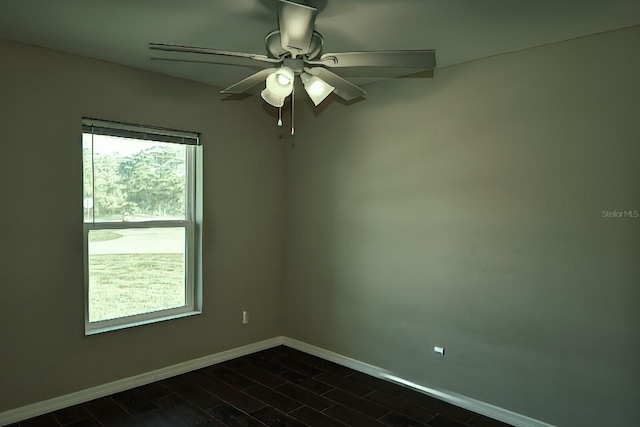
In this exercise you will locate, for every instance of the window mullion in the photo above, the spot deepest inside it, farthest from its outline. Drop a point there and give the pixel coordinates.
(137, 224)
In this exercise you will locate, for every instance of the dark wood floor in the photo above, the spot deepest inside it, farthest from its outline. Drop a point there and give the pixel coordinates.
(275, 387)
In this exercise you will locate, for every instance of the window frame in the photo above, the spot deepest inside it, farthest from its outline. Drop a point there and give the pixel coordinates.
(192, 224)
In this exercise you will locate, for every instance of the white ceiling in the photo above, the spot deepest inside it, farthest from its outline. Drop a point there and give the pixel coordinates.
(460, 30)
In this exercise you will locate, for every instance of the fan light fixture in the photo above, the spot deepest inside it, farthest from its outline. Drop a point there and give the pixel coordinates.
(317, 88)
(279, 85)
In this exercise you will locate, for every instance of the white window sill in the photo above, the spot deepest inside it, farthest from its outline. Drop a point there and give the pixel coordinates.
(99, 330)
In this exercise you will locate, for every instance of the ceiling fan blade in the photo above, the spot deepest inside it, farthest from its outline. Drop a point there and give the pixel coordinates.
(423, 59)
(384, 73)
(246, 84)
(343, 88)
(296, 22)
(240, 62)
(215, 52)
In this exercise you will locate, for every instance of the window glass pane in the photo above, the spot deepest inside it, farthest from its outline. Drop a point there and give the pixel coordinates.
(135, 271)
(133, 180)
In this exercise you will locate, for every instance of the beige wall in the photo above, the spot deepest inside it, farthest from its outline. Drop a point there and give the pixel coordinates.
(465, 211)
(43, 96)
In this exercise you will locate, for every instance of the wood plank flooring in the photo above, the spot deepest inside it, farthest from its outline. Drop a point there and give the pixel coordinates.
(276, 387)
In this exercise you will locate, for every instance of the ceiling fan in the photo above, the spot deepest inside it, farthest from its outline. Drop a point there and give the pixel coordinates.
(294, 49)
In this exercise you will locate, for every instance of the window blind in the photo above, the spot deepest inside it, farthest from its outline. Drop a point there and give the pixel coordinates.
(150, 133)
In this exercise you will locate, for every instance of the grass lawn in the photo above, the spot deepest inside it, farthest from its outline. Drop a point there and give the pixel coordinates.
(129, 284)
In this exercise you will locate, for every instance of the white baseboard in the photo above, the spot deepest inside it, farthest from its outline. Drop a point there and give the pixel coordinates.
(46, 406)
(50, 405)
(459, 400)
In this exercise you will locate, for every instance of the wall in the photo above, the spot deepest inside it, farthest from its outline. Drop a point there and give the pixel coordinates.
(43, 97)
(466, 211)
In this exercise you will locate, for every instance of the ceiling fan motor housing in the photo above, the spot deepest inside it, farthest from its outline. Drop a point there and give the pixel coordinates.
(296, 65)
(274, 47)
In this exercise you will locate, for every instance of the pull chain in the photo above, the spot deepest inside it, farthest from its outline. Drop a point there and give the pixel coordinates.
(279, 116)
(293, 129)
(293, 103)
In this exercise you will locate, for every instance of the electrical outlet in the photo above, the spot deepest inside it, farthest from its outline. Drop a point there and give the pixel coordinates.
(245, 317)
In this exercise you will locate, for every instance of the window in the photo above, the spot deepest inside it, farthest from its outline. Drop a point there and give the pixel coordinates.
(142, 220)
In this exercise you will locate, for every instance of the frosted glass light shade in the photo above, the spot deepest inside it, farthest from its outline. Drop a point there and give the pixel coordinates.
(316, 88)
(270, 98)
(279, 85)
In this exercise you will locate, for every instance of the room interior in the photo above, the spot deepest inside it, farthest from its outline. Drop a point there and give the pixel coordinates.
(464, 210)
